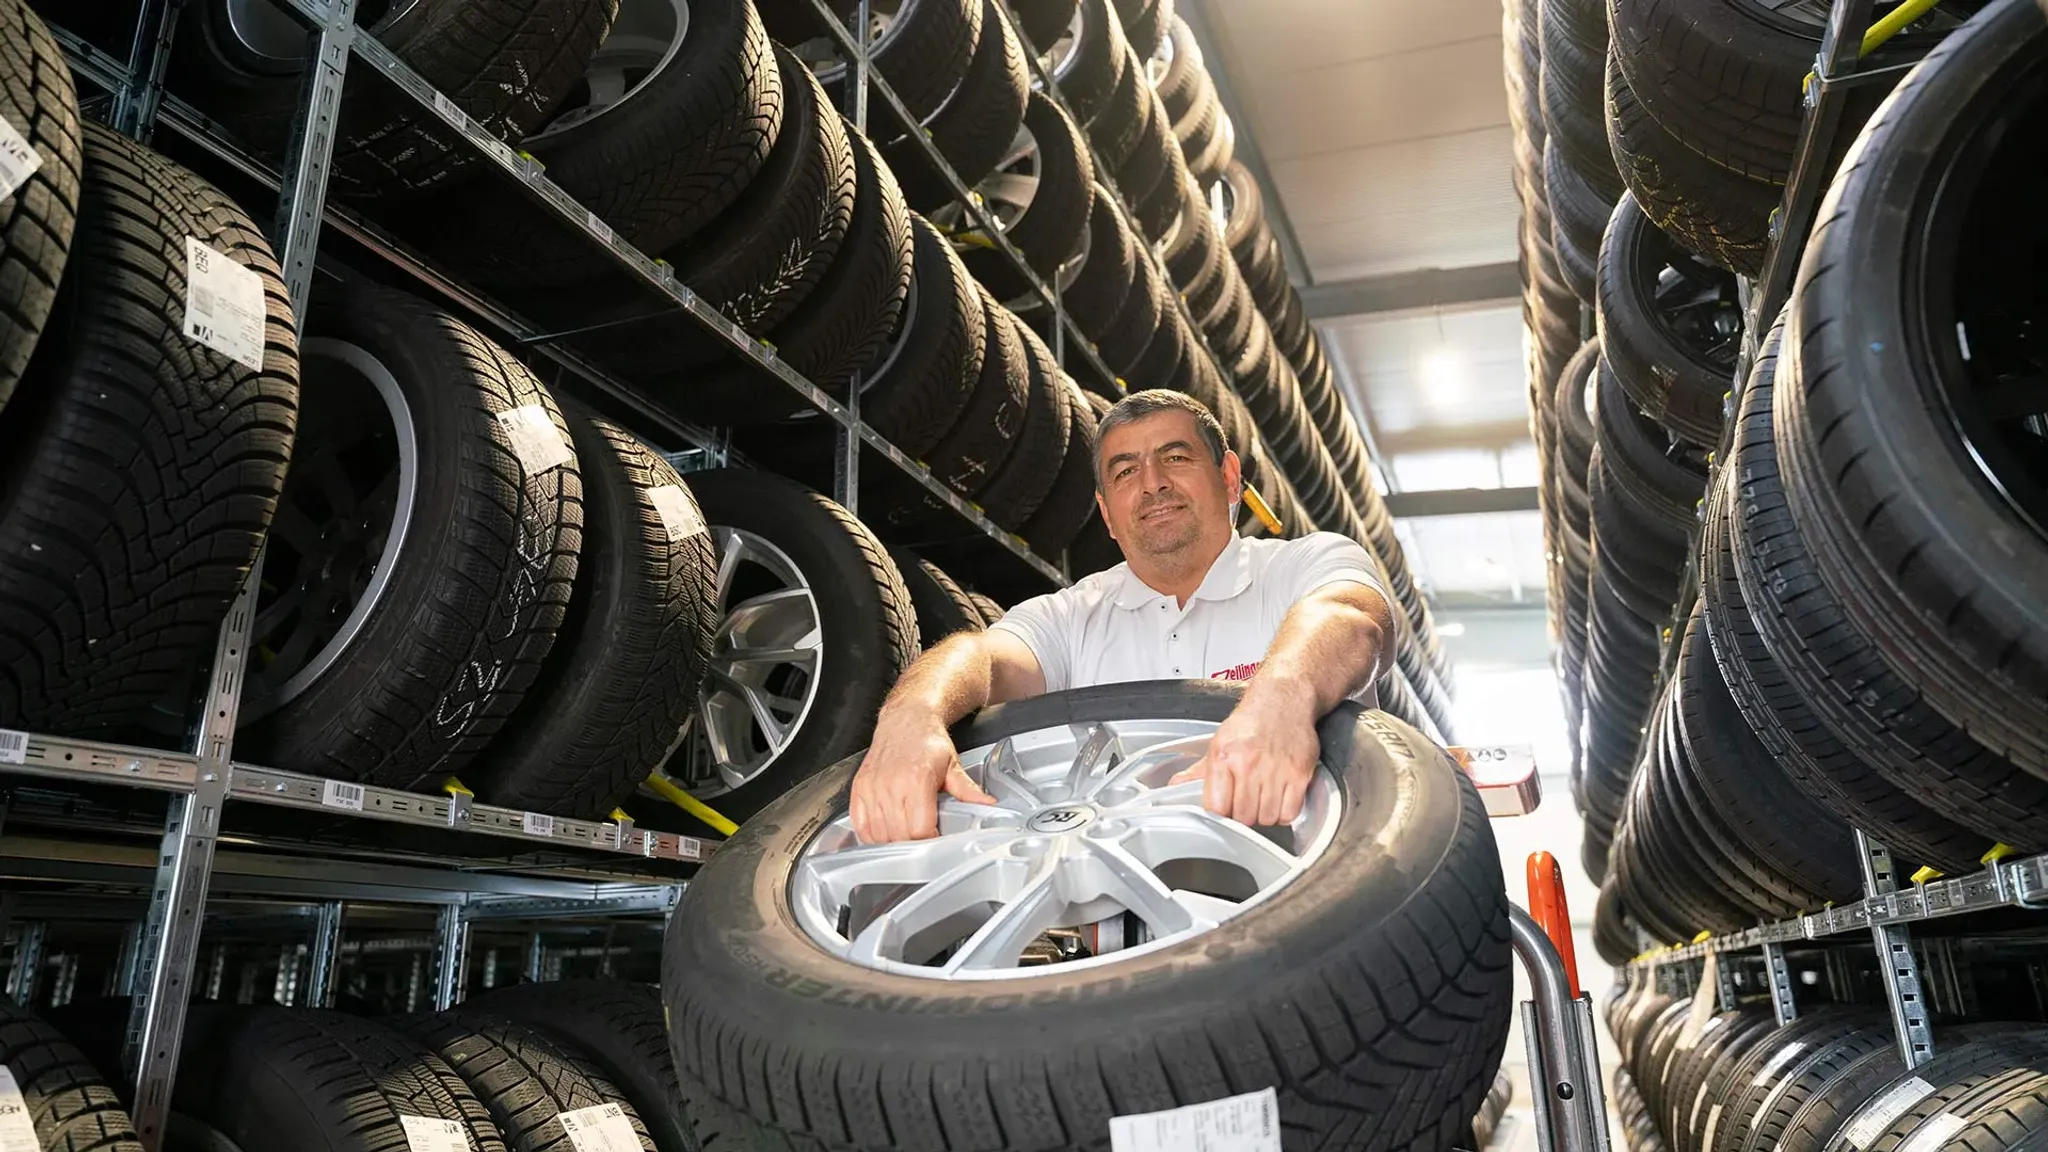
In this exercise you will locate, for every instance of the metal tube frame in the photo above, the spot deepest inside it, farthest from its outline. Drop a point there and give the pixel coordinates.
(1564, 1065)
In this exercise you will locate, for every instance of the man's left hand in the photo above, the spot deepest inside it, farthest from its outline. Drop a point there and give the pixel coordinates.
(1261, 759)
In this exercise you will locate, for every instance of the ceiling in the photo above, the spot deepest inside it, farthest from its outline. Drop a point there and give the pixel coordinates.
(1380, 130)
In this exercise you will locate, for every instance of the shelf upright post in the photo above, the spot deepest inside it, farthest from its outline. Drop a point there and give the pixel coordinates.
(1779, 974)
(451, 952)
(28, 962)
(125, 964)
(846, 436)
(325, 954)
(1900, 972)
(536, 958)
(1724, 983)
(149, 55)
(302, 191)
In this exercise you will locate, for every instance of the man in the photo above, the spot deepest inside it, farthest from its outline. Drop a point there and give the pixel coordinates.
(1306, 620)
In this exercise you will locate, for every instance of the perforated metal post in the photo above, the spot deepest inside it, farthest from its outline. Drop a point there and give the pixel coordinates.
(451, 953)
(1905, 994)
(846, 437)
(1778, 975)
(170, 934)
(1724, 984)
(325, 955)
(28, 961)
(286, 990)
(149, 55)
(302, 193)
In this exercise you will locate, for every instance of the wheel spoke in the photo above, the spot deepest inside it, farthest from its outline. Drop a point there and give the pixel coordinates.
(1096, 757)
(979, 880)
(1191, 833)
(1020, 919)
(772, 726)
(1124, 878)
(959, 816)
(326, 473)
(755, 605)
(999, 778)
(804, 656)
(729, 554)
(1166, 756)
(904, 862)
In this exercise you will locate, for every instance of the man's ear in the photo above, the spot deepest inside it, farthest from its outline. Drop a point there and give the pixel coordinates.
(1233, 476)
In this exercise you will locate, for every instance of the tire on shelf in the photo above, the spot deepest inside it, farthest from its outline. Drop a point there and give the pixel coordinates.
(37, 218)
(508, 66)
(1093, 72)
(1410, 868)
(1670, 326)
(615, 1024)
(1121, 122)
(941, 605)
(974, 129)
(1016, 489)
(1145, 22)
(1044, 21)
(614, 694)
(449, 600)
(1098, 289)
(923, 376)
(1071, 501)
(974, 450)
(1049, 224)
(817, 626)
(66, 1102)
(524, 1078)
(1183, 78)
(139, 468)
(986, 605)
(1131, 328)
(922, 52)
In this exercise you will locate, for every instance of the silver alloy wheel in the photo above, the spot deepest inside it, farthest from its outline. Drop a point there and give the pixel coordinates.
(766, 661)
(270, 34)
(1089, 856)
(642, 41)
(340, 524)
(1007, 191)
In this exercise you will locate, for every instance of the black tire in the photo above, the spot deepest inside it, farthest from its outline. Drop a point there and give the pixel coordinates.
(924, 51)
(523, 1077)
(1095, 72)
(1072, 499)
(68, 1105)
(139, 469)
(1099, 288)
(1131, 326)
(1578, 211)
(1946, 574)
(1569, 87)
(616, 690)
(505, 65)
(1051, 229)
(1884, 717)
(473, 600)
(296, 1078)
(1757, 1120)
(971, 453)
(615, 1024)
(1185, 79)
(1671, 341)
(942, 606)
(1157, 176)
(920, 382)
(1660, 478)
(980, 119)
(1016, 489)
(986, 605)
(36, 221)
(1044, 20)
(1430, 885)
(864, 613)
(1121, 123)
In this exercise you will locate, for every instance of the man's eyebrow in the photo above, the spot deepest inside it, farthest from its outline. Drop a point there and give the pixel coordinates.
(1120, 458)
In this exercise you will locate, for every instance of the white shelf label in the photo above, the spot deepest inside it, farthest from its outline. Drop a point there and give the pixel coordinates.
(603, 1128)
(17, 1129)
(447, 107)
(1934, 1132)
(429, 1135)
(13, 746)
(1877, 1116)
(18, 159)
(538, 824)
(342, 794)
(1247, 1123)
(223, 305)
(679, 515)
(688, 849)
(535, 439)
(603, 230)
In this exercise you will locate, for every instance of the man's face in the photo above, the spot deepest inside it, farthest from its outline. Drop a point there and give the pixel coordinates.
(1160, 490)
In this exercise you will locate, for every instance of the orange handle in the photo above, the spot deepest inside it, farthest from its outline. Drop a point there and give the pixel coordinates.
(1547, 908)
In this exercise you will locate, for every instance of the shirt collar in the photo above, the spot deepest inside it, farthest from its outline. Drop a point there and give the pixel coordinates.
(1229, 575)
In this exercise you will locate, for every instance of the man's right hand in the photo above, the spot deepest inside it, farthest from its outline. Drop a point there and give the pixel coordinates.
(896, 789)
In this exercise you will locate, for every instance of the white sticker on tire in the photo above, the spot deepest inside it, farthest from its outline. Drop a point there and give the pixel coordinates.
(1878, 1115)
(13, 746)
(18, 159)
(423, 1134)
(1713, 1122)
(1247, 1123)
(679, 515)
(1934, 1132)
(1770, 1069)
(17, 1128)
(603, 1128)
(224, 307)
(535, 439)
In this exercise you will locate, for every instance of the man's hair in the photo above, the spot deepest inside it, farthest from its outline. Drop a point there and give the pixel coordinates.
(1151, 402)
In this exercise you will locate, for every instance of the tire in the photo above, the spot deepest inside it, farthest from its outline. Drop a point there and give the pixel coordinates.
(969, 456)
(1017, 488)
(921, 380)
(1185, 79)
(1945, 576)
(36, 221)
(298, 1078)
(863, 616)
(1759, 1120)
(1145, 22)
(1137, 318)
(1044, 21)
(1220, 1011)
(1676, 361)
(1662, 479)
(1886, 718)
(507, 66)
(923, 52)
(986, 605)
(523, 1077)
(139, 469)
(68, 1105)
(1050, 227)
(942, 607)
(1578, 212)
(1569, 84)
(1157, 195)
(1095, 72)
(1121, 123)
(617, 1026)
(1099, 288)
(614, 694)
(1072, 499)
(469, 606)
(974, 129)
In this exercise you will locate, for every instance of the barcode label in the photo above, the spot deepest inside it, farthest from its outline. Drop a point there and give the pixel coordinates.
(679, 515)
(17, 1129)
(342, 794)
(539, 824)
(224, 307)
(13, 746)
(446, 107)
(603, 230)
(423, 1134)
(603, 1128)
(18, 159)
(686, 847)
(1247, 1123)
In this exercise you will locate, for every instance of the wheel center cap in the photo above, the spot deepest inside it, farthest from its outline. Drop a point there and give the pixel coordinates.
(1065, 818)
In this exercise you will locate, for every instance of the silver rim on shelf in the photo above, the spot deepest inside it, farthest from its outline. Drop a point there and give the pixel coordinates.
(271, 38)
(1007, 191)
(642, 41)
(1089, 857)
(765, 665)
(340, 524)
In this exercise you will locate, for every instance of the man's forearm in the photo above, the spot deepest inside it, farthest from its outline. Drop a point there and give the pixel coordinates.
(949, 681)
(1327, 648)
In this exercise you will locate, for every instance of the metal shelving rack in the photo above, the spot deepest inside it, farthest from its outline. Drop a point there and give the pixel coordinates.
(159, 968)
(1887, 910)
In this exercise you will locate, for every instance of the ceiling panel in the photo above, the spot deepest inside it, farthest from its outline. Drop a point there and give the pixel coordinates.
(1379, 101)
(1268, 38)
(1485, 558)
(1432, 368)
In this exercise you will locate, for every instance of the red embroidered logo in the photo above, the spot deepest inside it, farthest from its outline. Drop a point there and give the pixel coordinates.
(1241, 672)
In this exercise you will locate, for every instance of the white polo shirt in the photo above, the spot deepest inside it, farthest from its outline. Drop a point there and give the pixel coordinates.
(1111, 627)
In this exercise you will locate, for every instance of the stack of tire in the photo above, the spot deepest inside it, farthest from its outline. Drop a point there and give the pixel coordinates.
(1738, 1081)
(1871, 561)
